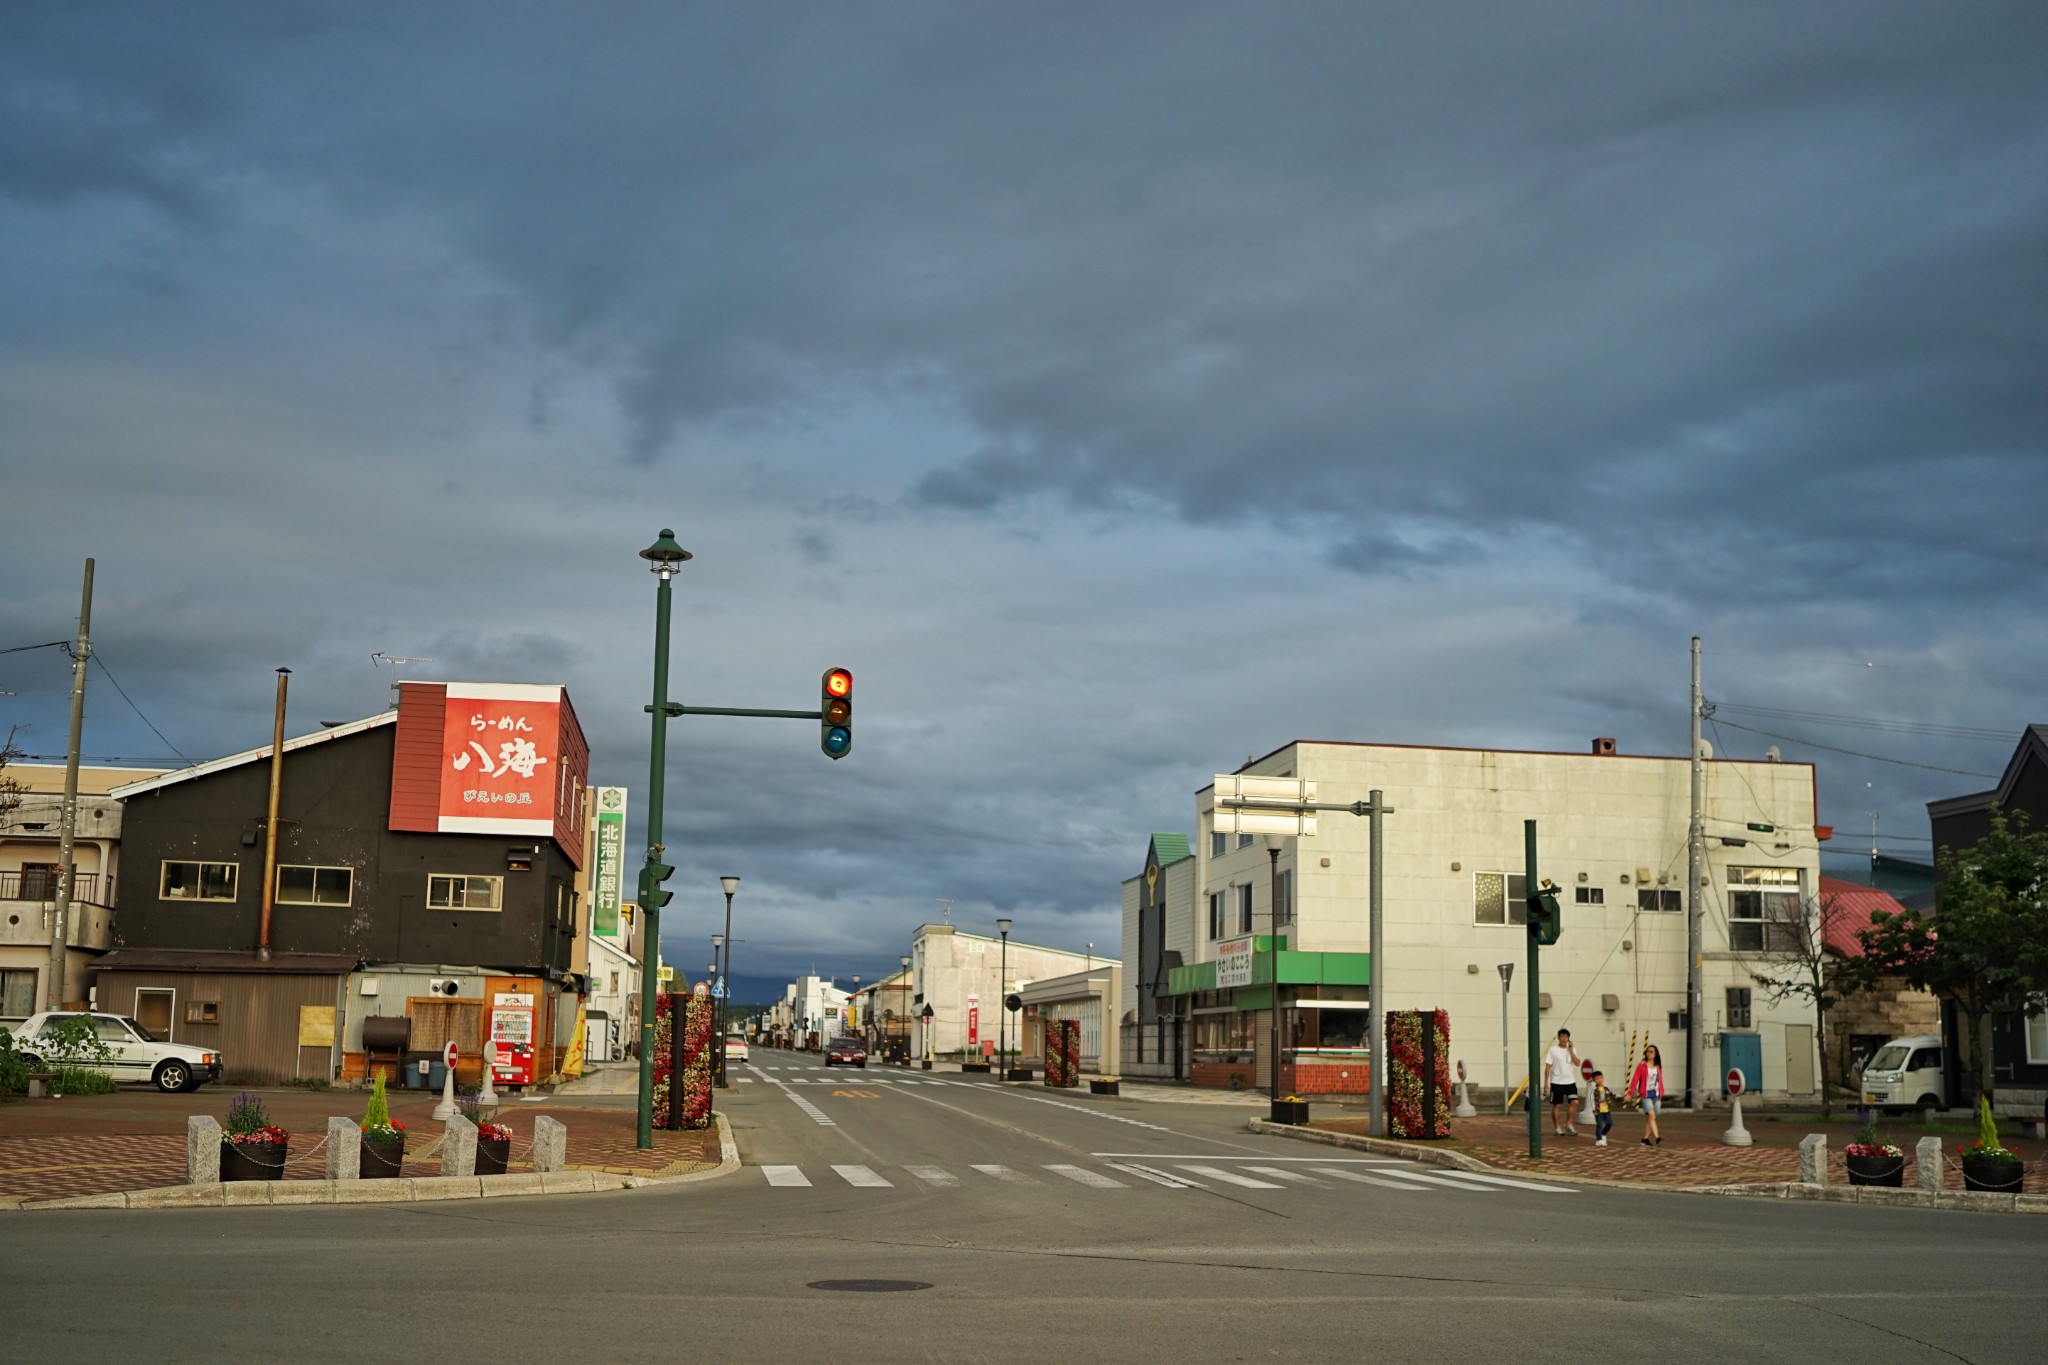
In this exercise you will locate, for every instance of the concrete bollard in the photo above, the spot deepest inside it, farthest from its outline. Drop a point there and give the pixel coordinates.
(202, 1150)
(550, 1144)
(458, 1147)
(1813, 1159)
(344, 1149)
(1464, 1109)
(1736, 1135)
(1927, 1164)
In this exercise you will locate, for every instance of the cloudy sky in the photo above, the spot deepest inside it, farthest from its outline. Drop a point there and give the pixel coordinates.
(1119, 391)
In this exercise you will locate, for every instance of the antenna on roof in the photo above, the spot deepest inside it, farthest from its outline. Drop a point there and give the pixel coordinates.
(946, 910)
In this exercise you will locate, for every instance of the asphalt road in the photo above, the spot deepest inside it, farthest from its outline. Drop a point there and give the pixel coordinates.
(1047, 1227)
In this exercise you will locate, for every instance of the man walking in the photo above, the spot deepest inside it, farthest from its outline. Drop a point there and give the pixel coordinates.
(1561, 1066)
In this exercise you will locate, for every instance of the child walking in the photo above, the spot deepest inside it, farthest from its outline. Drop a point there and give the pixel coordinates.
(1603, 1109)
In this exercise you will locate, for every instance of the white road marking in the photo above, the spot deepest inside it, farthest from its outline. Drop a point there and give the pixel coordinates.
(933, 1175)
(818, 1116)
(1231, 1177)
(785, 1175)
(1430, 1180)
(1364, 1179)
(1282, 1173)
(1172, 1182)
(1506, 1183)
(863, 1178)
(744, 1080)
(1081, 1175)
(1005, 1174)
(1213, 1156)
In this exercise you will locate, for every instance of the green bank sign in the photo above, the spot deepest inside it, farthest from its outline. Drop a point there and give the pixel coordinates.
(611, 860)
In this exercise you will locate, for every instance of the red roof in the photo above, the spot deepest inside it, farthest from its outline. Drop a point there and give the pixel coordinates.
(1849, 909)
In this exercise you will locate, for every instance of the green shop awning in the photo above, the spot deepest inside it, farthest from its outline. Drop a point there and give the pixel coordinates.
(1296, 969)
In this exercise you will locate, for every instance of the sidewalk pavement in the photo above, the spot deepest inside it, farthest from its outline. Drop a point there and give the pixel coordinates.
(133, 1140)
(1692, 1153)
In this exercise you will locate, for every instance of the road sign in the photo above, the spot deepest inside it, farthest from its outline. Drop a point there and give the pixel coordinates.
(1734, 1080)
(1233, 787)
(448, 1056)
(1586, 1067)
(1461, 1071)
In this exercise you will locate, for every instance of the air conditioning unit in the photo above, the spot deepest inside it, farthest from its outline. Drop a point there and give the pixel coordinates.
(444, 986)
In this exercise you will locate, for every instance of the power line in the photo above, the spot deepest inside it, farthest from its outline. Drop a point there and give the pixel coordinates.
(23, 649)
(1904, 727)
(133, 707)
(1875, 758)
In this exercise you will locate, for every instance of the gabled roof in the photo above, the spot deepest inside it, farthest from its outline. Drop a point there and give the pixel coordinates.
(1168, 849)
(2033, 745)
(1850, 905)
(354, 727)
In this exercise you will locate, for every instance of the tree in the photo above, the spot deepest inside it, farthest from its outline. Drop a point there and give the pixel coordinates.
(1987, 947)
(1810, 970)
(10, 790)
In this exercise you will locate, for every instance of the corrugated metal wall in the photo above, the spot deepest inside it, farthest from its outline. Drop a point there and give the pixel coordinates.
(257, 1031)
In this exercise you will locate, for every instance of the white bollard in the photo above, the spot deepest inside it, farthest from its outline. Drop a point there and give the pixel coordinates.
(487, 1095)
(445, 1110)
(1737, 1135)
(1464, 1109)
(1586, 1114)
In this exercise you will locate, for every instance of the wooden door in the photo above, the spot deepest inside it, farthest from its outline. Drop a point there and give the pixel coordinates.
(153, 1007)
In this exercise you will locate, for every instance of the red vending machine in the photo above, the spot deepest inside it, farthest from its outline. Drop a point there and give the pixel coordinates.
(511, 1028)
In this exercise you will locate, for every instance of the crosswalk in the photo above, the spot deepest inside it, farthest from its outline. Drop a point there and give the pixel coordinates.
(1298, 1174)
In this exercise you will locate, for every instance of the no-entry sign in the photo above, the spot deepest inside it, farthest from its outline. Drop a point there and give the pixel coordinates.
(1586, 1068)
(1734, 1080)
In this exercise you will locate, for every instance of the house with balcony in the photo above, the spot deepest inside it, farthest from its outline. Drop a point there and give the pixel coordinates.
(30, 866)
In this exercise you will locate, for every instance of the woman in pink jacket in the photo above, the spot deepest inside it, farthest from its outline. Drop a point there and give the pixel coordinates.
(1648, 1085)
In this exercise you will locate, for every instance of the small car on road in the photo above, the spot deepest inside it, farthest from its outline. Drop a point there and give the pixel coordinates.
(735, 1047)
(135, 1054)
(847, 1051)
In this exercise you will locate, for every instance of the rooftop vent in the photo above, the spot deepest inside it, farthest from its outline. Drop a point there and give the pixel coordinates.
(1604, 746)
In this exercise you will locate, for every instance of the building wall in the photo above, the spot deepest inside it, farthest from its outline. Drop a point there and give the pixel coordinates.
(1149, 1049)
(257, 1031)
(1613, 823)
(948, 966)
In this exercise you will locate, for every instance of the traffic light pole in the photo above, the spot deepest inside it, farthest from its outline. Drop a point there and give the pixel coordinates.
(650, 913)
(1535, 998)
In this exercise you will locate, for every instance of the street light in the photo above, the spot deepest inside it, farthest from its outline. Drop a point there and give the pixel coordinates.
(1273, 950)
(729, 885)
(1507, 974)
(1003, 1005)
(665, 559)
(905, 960)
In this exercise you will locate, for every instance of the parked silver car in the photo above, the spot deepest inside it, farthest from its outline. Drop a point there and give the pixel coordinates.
(136, 1055)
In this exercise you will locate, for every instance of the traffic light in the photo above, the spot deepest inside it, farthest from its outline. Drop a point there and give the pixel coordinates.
(835, 713)
(1546, 921)
(652, 894)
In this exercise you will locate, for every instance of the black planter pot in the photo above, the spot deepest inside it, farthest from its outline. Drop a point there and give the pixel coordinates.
(976, 1068)
(252, 1160)
(382, 1158)
(1102, 1087)
(1290, 1111)
(1888, 1171)
(492, 1154)
(1993, 1176)
(1020, 1073)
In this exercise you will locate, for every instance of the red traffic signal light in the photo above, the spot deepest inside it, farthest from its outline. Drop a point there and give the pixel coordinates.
(835, 713)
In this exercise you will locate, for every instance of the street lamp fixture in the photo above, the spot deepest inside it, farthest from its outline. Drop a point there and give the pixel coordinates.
(728, 884)
(1003, 1004)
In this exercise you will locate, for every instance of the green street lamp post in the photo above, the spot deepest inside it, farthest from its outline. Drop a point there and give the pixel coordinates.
(666, 558)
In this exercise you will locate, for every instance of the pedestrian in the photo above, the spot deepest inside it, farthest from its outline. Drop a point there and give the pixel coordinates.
(1648, 1086)
(1603, 1109)
(1561, 1065)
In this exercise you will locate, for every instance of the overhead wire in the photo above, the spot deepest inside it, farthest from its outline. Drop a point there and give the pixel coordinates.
(1852, 753)
(109, 675)
(1904, 727)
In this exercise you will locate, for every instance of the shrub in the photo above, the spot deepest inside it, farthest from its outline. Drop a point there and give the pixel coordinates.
(377, 1117)
(82, 1080)
(13, 1068)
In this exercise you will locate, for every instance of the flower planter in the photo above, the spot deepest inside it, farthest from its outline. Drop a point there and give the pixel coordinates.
(976, 1068)
(382, 1158)
(1889, 1171)
(1020, 1073)
(1993, 1175)
(1290, 1111)
(1102, 1087)
(252, 1160)
(492, 1154)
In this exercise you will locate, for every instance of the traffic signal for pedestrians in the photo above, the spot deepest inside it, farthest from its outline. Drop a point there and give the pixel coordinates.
(1546, 921)
(835, 713)
(652, 894)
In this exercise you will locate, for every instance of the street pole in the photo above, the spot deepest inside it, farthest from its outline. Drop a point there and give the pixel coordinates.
(666, 556)
(1507, 974)
(1695, 1052)
(717, 1024)
(1376, 947)
(67, 827)
(1273, 952)
(1003, 1005)
(729, 885)
(1535, 996)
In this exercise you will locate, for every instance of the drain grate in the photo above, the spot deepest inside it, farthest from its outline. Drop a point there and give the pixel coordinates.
(868, 1286)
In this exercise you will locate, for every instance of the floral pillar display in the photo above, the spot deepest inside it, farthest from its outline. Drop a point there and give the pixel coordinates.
(1062, 1052)
(1419, 1073)
(664, 1057)
(698, 1014)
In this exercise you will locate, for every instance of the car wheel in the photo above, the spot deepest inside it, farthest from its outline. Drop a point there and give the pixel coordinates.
(1928, 1102)
(171, 1077)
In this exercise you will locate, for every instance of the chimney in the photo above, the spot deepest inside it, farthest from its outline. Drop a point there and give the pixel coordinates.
(1604, 747)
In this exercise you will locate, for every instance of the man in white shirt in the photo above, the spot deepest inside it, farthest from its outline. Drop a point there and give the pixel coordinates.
(1561, 1067)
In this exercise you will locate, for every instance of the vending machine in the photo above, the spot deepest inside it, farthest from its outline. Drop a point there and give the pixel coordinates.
(511, 1028)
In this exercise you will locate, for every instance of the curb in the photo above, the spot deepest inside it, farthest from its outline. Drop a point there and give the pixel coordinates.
(1967, 1201)
(404, 1190)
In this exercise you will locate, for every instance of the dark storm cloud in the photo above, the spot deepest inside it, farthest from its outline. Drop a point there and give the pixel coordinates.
(1062, 353)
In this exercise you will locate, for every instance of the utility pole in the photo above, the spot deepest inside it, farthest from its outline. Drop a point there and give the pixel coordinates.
(67, 838)
(1531, 880)
(1695, 991)
(284, 676)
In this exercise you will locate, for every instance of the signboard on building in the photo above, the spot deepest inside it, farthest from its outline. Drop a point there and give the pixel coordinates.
(609, 873)
(1233, 963)
(490, 758)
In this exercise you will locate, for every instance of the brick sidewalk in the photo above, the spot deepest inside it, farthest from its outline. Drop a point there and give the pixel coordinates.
(1692, 1153)
(134, 1140)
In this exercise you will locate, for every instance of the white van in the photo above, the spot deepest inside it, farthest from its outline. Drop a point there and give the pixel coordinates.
(1906, 1074)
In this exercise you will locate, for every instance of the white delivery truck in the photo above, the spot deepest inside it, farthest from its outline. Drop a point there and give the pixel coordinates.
(1906, 1073)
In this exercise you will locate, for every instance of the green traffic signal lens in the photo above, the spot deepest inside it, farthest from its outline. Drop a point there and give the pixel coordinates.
(838, 740)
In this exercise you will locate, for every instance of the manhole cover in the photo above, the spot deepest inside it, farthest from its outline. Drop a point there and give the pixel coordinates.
(868, 1286)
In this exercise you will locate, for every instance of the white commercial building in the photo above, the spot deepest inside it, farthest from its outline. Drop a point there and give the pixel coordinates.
(960, 977)
(1612, 832)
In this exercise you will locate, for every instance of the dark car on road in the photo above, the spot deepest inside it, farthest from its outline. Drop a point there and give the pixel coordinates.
(851, 1051)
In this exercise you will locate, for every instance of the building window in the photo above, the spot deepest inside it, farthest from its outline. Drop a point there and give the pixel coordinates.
(1244, 908)
(465, 893)
(1590, 895)
(1500, 898)
(18, 993)
(1219, 843)
(1738, 1007)
(1764, 909)
(2037, 1036)
(1662, 898)
(202, 1011)
(1283, 894)
(1215, 914)
(1244, 840)
(38, 882)
(198, 881)
(315, 885)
